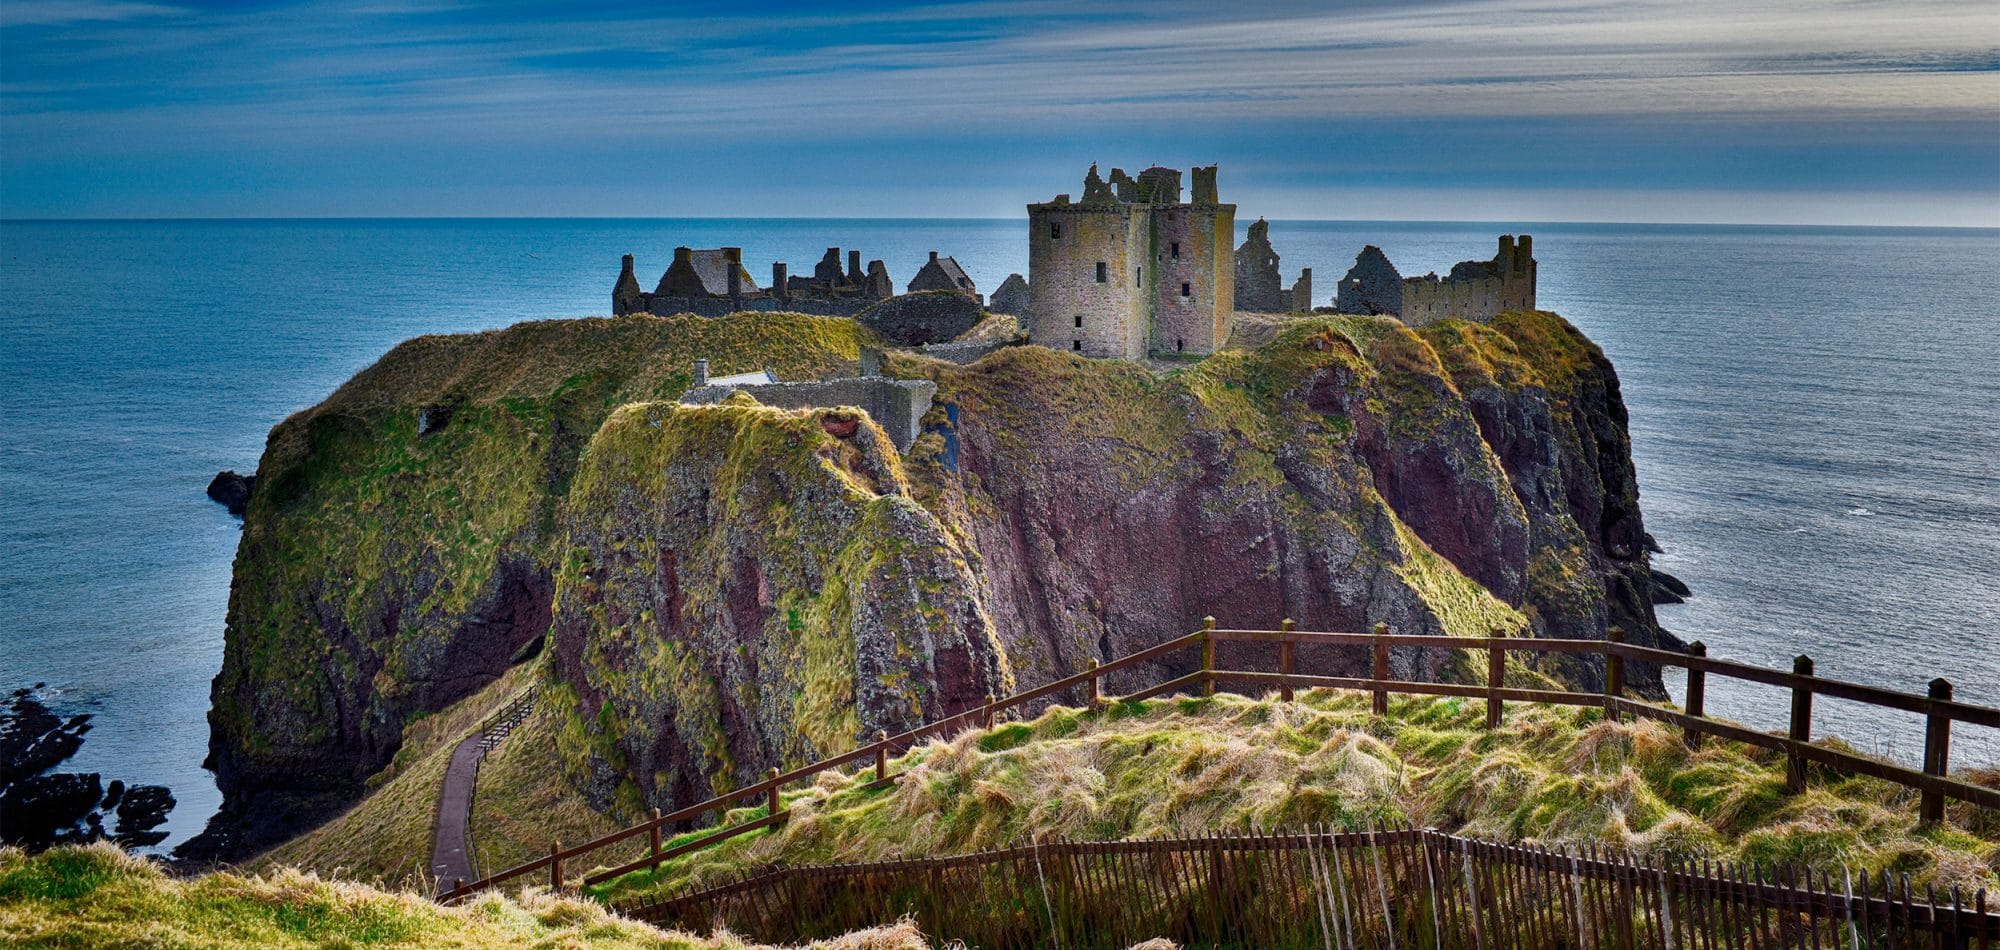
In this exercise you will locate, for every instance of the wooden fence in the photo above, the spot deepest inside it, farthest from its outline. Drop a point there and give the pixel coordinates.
(1934, 784)
(1327, 889)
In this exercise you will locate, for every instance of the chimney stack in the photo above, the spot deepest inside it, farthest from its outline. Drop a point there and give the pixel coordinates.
(778, 279)
(734, 257)
(933, 257)
(700, 373)
(854, 267)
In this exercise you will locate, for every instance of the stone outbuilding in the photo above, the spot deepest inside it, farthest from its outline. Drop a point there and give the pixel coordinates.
(1011, 297)
(942, 273)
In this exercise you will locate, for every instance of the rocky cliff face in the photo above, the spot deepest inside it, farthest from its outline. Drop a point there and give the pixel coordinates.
(401, 543)
(747, 587)
(734, 587)
(1344, 474)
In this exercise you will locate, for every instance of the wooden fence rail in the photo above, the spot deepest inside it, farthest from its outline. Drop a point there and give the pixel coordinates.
(1932, 781)
(1323, 888)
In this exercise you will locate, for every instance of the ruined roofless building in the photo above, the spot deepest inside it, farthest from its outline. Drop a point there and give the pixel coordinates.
(713, 282)
(1475, 290)
(1259, 286)
(1131, 269)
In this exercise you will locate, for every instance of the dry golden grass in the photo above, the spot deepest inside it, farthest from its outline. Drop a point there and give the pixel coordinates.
(98, 896)
(1549, 775)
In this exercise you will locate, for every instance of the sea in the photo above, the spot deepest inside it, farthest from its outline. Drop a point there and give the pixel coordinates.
(1815, 414)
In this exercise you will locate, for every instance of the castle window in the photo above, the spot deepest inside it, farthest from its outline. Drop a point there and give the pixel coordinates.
(1186, 290)
(1180, 345)
(1136, 273)
(1076, 345)
(1055, 230)
(1101, 272)
(1177, 250)
(1079, 321)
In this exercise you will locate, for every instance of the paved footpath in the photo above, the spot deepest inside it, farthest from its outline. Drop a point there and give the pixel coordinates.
(451, 848)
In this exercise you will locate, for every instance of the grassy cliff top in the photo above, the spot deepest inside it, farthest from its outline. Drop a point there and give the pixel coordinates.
(98, 896)
(1550, 775)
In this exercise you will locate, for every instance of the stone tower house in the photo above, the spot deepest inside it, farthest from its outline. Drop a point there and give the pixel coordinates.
(1131, 268)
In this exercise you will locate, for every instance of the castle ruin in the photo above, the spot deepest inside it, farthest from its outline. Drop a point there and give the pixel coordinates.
(1260, 287)
(1131, 269)
(1474, 290)
(713, 282)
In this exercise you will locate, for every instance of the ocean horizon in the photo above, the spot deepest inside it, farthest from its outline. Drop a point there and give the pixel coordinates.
(1815, 418)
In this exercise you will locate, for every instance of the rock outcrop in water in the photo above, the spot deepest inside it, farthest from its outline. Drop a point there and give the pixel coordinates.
(39, 808)
(732, 588)
(231, 490)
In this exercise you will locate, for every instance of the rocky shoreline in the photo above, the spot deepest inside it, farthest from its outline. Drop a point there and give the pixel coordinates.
(45, 808)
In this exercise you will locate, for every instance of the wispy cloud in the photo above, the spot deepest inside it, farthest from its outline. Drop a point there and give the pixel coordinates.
(60, 12)
(103, 80)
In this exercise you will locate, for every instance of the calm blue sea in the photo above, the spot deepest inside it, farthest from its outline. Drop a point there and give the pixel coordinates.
(1816, 414)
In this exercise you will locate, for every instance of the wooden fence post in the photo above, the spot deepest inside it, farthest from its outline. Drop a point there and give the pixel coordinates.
(1208, 656)
(1496, 677)
(555, 866)
(1381, 670)
(881, 754)
(1614, 673)
(1937, 752)
(986, 715)
(1697, 695)
(1286, 659)
(771, 795)
(1801, 732)
(1096, 686)
(653, 839)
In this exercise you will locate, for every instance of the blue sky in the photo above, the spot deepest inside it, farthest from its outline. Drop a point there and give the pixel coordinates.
(1779, 111)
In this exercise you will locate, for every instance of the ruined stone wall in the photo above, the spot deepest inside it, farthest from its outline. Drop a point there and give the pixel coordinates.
(971, 351)
(1475, 290)
(1222, 282)
(897, 405)
(1301, 293)
(925, 316)
(1428, 299)
(1259, 287)
(1198, 322)
(722, 306)
(1065, 289)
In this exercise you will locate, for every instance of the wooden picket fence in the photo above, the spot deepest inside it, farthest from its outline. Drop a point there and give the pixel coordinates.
(641, 846)
(1397, 888)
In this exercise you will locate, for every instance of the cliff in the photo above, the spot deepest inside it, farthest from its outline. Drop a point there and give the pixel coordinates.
(1463, 480)
(732, 588)
(747, 587)
(400, 547)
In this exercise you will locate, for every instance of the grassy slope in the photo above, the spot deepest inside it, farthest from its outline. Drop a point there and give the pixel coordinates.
(387, 836)
(98, 896)
(1165, 767)
(522, 801)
